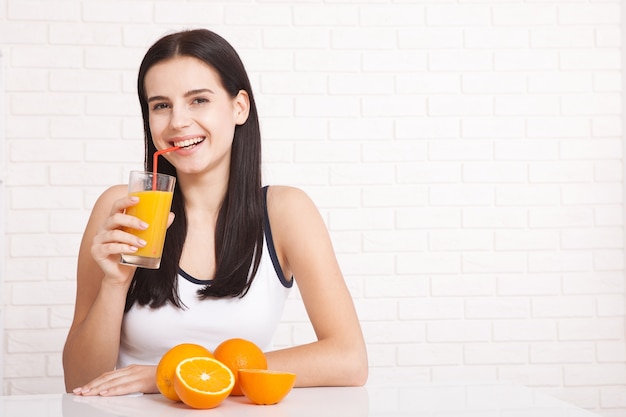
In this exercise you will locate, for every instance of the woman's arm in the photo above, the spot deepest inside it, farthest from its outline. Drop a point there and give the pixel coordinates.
(304, 248)
(92, 344)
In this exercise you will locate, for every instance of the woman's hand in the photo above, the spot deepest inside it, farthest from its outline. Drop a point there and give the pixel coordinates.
(111, 241)
(132, 379)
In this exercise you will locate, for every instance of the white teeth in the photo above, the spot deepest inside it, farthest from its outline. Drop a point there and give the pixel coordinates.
(188, 142)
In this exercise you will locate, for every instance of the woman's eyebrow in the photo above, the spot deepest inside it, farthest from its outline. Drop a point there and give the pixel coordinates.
(187, 94)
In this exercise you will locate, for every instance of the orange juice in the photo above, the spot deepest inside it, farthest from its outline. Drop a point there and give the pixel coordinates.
(153, 208)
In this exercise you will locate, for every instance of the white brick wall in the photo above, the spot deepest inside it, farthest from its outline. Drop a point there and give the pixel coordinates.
(467, 158)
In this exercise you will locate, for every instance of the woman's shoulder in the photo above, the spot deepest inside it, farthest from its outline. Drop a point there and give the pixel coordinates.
(284, 198)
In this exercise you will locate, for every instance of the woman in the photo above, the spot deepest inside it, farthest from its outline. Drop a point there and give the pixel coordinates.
(225, 273)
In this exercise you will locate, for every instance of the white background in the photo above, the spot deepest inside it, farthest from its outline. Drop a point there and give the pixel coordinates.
(466, 155)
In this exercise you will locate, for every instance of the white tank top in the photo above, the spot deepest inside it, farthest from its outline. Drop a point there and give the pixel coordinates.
(148, 333)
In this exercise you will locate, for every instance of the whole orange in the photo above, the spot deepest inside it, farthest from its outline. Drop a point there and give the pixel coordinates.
(265, 387)
(203, 382)
(169, 361)
(240, 354)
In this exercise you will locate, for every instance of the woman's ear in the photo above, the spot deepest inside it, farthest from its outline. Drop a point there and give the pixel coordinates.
(242, 107)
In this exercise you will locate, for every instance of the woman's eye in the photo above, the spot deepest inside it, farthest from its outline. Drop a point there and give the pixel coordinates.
(200, 100)
(160, 106)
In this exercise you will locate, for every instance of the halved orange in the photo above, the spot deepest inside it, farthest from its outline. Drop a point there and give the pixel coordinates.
(239, 354)
(265, 387)
(203, 382)
(169, 361)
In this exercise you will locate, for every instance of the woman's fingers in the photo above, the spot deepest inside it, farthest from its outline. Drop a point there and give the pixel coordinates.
(134, 378)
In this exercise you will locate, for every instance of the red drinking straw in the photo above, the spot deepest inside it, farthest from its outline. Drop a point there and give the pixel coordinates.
(155, 161)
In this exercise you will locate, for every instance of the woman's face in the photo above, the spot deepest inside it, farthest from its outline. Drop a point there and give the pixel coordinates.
(189, 107)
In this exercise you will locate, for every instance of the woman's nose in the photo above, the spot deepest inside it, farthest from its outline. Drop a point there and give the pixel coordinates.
(180, 118)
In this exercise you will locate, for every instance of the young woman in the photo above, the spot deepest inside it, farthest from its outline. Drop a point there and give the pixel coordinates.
(232, 250)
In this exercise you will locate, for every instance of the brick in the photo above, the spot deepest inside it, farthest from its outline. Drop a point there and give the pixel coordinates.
(608, 216)
(608, 171)
(587, 14)
(428, 173)
(296, 83)
(326, 152)
(84, 81)
(611, 306)
(608, 259)
(613, 397)
(431, 309)
(499, 172)
(468, 285)
(105, 104)
(610, 352)
(527, 284)
(32, 317)
(35, 341)
(593, 283)
(430, 37)
(564, 307)
(605, 104)
(597, 239)
(394, 241)
(28, 80)
(107, 151)
(426, 217)
(399, 15)
(460, 106)
(560, 261)
(81, 174)
(51, 104)
(460, 60)
(500, 308)
(34, 246)
(493, 354)
(529, 60)
(513, 105)
(523, 330)
(489, 127)
(376, 309)
(25, 174)
(44, 151)
(397, 62)
(461, 195)
(289, 128)
(524, 15)
(590, 59)
(373, 38)
(561, 37)
(606, 126)
(360, 129)
(461, 240)
(451, 15)
(591, 149)
(560, 82)
(199, 12)
(560, 172)
(426, 83)
(323, 106)
(385, 196)
(561, 217)
(378, 84)
(535, 376)
(517, 240)
(397, 286)
(591, 329)
(527, 195)
(326, 15)
(480, 263)
(44, 198)
(70, 33)
(428, 263)
(393, 332)
(499, 83)
(367, 264)
(118, 13)
(608, 81)
(39, 10)
(424, 128)
(296, 38)
(494, 38)
(26, 222)
(70, 221)
(596, 194)
(399, 151)
(494, 218)
(430, 355)
(562, 352)
(373, 174)
(608, 37)
(458, 331)
(595, 375)
(460, 374)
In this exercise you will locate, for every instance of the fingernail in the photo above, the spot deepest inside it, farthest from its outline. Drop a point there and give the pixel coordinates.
(142, 242)
(103, 392)
(144, 225)
(134, 199)
(77, 390)
(132, 249)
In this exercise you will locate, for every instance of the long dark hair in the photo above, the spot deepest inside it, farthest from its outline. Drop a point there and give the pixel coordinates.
(239, 229)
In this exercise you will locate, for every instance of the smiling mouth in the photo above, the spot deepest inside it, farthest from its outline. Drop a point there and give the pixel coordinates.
(189, 143)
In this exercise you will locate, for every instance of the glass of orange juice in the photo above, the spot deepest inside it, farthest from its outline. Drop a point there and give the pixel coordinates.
(155, 193)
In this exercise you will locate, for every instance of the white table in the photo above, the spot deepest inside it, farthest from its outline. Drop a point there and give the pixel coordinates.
(417, 400)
